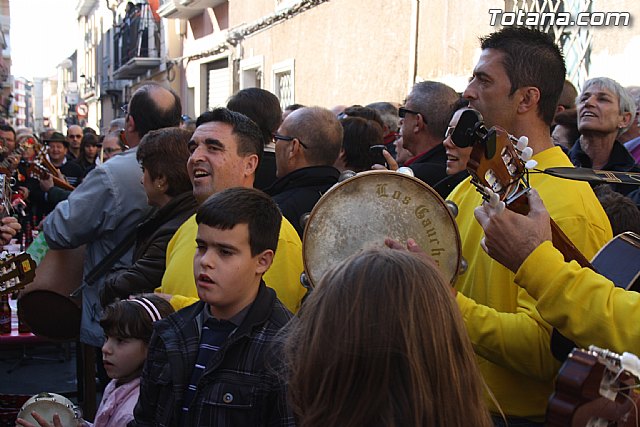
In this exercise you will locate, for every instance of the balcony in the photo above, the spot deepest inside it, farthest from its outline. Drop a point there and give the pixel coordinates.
(137, 44)
(112, 87)
(185, 9)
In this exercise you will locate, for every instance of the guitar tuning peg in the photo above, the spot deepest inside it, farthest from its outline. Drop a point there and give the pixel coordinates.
(494, 199)
(522, 143)
(526, 154)
(530, 164)
(630, 363)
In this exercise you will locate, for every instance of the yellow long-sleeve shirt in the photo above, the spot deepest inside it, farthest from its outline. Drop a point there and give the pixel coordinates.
(509, 336)
(583, 305)
(283, 276)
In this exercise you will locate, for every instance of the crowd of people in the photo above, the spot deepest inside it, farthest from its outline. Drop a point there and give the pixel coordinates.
(209, 223)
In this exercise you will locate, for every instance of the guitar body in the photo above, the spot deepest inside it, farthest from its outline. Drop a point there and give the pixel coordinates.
(589, 393)
(619, 261)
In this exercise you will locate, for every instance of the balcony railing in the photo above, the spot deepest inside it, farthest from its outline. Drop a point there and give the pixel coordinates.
(137, 43)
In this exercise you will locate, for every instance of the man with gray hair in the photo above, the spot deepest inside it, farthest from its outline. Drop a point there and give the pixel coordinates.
(631, 138)
(307, 145)
(424, 120)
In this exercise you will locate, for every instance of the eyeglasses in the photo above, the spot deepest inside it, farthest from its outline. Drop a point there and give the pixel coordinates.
(403, 112)
(277, 137)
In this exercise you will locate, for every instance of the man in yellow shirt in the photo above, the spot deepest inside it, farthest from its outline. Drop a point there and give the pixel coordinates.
(225, 151)
(583, 305)
(516, 84)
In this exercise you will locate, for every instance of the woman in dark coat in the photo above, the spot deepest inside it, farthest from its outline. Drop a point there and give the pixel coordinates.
(163, 156)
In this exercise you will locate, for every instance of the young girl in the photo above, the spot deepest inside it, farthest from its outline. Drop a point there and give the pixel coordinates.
(381, 342)
(127, 325)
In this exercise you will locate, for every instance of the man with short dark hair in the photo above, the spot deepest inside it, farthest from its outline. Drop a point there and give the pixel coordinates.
(516, 84)
(74, 138)
(307, 145)
(110, 203)
(263, 107)
(225, 151)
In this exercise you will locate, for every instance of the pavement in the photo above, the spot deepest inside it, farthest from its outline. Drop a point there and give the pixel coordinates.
(31, 369)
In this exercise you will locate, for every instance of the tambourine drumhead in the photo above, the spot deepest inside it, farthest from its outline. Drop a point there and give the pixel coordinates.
(48, 404)
(360, 212)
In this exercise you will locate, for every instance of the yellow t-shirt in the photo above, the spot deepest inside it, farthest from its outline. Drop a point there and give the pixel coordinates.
(510, 338)
(283, 276)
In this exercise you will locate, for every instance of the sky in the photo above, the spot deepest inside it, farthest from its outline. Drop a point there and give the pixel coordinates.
(43, 34)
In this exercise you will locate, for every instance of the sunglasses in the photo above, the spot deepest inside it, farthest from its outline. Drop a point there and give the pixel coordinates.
(402, 112)
(278, 137)
(449, 132)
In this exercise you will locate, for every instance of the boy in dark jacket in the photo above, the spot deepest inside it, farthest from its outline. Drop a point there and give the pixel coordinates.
(214, 363)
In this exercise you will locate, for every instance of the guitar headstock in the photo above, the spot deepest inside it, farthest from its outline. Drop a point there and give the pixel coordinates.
(595, 387)
(16, 272)
(498, 162)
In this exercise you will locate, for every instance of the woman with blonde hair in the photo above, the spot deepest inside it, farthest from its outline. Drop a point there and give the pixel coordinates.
(380, 342)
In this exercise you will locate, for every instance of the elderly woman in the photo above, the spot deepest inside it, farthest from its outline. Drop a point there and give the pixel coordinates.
(605, 111)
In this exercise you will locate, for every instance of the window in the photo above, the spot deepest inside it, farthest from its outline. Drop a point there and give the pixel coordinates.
(284, 82)
(251, 72)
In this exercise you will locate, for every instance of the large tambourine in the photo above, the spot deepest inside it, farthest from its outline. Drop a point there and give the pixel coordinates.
(360, 212)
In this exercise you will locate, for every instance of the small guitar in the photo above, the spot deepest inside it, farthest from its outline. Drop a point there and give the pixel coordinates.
(498, 165)
(595, 387)
(16, 272)
(41, 167)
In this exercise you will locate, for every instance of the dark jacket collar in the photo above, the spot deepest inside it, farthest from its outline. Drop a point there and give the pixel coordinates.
(619, 158)
(305, 177)
(435, 155)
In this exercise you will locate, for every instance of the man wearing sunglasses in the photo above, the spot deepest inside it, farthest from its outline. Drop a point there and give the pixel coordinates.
(74, 138)
(307, 145)
(423, 122)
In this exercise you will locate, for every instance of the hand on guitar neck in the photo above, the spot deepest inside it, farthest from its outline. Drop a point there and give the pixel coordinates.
(9, 227)
(499, 165)
(525, 232)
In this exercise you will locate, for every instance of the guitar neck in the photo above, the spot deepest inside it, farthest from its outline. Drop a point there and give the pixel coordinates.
(558, 238)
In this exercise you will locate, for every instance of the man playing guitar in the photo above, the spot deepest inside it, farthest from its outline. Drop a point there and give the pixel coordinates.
(516, 84)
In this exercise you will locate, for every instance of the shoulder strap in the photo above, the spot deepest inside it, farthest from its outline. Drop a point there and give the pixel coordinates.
(107, 262)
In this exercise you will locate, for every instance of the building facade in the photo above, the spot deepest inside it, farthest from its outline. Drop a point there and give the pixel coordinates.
(313, 52)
